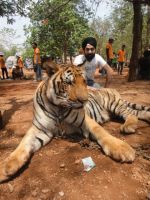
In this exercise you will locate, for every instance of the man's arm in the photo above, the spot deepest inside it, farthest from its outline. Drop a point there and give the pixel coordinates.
(109, 73)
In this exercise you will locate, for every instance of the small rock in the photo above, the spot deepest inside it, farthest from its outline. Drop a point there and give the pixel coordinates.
(140, 133)
(61, 193)
(148, 183)
(34, 193)
(43, 197)
(45, 191)
(62, 165)
(11, 188)
(77, 162)
(148, 196)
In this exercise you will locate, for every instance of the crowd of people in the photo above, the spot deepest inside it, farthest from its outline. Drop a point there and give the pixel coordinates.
(93, 63)
(116, 60)
(17, 67)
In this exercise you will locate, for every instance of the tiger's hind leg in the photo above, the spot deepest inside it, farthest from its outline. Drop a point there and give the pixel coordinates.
(131, 117)
(130, 124)
(131, 121)
(31, 142)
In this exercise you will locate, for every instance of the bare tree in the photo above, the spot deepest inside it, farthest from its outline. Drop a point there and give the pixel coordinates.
(148, 26)
(137, 37)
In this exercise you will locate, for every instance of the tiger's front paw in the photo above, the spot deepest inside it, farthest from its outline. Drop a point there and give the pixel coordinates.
(118, 150)
(3, 174)
(8, 168)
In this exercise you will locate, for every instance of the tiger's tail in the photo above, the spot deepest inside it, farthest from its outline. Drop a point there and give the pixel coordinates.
(30, 143)
(140, 111)
(137, 106)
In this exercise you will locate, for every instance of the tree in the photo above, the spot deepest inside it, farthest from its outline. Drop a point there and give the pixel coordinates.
(7, 46)
(148, 27)
(63, 28)
(11, 8)
(101, 29)
(121, 20)
(137, 32)
(137, 37)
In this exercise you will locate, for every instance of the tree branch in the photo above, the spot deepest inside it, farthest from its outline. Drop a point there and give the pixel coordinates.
(58, 8)
(140, 1)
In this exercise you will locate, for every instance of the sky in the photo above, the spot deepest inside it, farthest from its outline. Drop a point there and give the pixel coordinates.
(102, 11)
(18, 26)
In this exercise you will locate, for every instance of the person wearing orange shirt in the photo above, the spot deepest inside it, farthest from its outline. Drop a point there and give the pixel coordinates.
(37, 62)
(121, 59)
(20, 63)
(3, 66)
(109, 51)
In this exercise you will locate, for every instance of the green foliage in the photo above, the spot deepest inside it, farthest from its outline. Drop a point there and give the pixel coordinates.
(122, 20)
(58, 26)
(11, 8)
(102, 29)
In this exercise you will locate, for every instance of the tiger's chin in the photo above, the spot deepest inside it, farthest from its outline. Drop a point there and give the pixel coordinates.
(78, 106)
(74, 104)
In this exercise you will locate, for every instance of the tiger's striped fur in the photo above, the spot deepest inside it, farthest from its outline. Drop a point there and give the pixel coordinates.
(63, 100)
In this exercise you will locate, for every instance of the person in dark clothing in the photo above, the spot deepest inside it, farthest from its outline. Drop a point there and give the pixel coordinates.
(144, 65)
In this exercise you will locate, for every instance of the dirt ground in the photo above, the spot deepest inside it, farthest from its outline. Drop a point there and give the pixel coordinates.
(56, 172)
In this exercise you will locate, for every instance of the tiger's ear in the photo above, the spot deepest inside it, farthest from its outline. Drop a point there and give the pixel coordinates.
(51, 68)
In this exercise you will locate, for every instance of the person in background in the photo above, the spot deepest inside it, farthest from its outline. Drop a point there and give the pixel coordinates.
(20, 63)
(81, 51)
(92, 62)
(109, 51)
(3, 66)
(114, 62)
(144, 65)
(121, 59)
(37, 62)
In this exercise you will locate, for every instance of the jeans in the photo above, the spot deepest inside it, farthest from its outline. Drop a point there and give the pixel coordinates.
(38, 72)
(90, 82)
(109, 62)
(120, 67)
(93, 84)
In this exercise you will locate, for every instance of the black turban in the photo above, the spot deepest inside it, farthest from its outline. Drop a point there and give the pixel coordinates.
(89, 40)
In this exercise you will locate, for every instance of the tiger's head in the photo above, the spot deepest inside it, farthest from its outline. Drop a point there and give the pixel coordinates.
(68, 86)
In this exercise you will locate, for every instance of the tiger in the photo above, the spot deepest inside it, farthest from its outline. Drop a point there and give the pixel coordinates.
(64, 104)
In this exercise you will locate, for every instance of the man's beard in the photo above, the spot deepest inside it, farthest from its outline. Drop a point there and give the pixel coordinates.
(89, 57)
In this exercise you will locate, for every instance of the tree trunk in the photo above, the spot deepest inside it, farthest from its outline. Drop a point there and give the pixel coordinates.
(137, 36)
(71, 59)
(65, 52)
(148, 27)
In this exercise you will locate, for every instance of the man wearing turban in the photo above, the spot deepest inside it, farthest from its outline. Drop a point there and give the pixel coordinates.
(92, 62)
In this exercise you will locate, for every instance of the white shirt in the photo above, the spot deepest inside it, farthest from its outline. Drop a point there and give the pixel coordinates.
(90, 67)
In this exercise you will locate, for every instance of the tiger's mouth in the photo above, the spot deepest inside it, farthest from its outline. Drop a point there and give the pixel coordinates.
(77, 104)
(72, 104)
